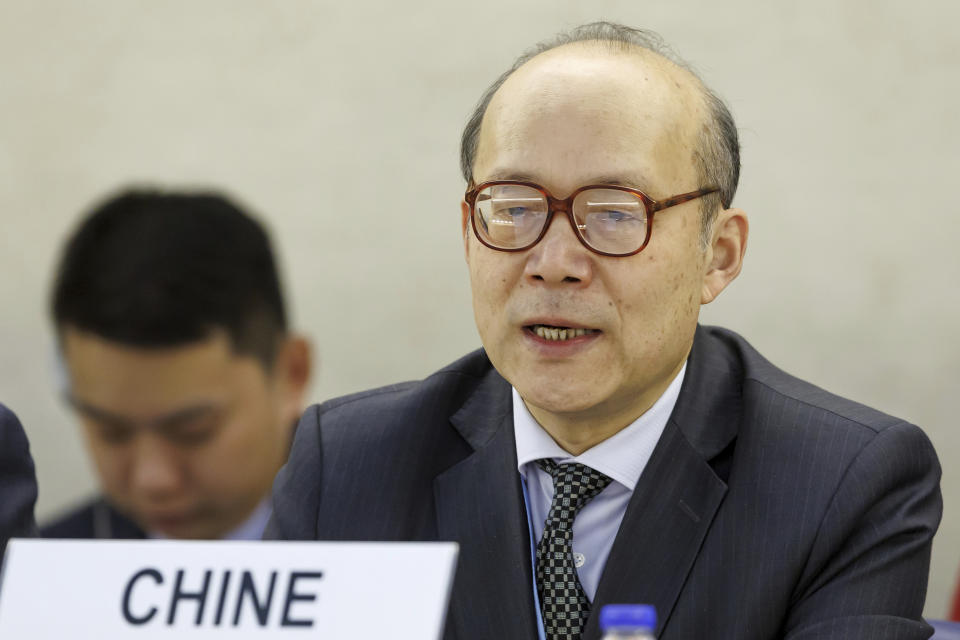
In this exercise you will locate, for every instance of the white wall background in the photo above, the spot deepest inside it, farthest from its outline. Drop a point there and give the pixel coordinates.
(339, 123)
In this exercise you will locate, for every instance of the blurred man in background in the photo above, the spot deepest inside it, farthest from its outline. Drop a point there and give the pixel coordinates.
(172, 329)
(18, 483)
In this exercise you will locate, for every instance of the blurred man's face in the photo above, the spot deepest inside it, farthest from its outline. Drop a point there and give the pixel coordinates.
(572, 117)
(186, 440)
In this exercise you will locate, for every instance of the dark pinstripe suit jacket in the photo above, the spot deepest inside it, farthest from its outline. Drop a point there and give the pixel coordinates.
(770, 508)
(18, 484)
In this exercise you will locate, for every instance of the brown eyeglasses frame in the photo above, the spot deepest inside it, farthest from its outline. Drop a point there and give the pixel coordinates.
(565, 205)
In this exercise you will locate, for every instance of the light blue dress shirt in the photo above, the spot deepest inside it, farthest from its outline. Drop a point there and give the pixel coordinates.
(253, 527)
(623, 457)
(250, 529)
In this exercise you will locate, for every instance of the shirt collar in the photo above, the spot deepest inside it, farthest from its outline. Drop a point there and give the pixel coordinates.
(250, 529)
(622, 456)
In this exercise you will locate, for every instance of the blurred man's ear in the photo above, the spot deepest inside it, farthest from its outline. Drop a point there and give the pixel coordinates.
(292, 370)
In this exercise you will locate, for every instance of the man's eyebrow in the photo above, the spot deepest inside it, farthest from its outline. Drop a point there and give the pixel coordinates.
(183, 415)
(633, 182)
(159, 422)
(508, 174)
(96, 413)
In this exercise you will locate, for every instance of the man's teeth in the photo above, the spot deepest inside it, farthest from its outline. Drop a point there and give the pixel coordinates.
(559, 333)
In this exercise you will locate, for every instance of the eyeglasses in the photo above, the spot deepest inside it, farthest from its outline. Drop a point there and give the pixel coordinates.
(512, 215)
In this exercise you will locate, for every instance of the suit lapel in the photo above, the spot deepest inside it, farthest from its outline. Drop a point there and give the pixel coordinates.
(662, 530)
(480, 506)
(678, 494)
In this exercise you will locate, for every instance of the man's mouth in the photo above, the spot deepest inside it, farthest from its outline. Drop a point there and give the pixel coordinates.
(552, 333)
(166, 521)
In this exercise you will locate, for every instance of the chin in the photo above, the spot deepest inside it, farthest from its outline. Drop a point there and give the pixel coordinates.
(559, 399)
(181, 528)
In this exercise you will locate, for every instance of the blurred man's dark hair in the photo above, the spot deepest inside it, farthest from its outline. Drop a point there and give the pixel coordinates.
(153, 269)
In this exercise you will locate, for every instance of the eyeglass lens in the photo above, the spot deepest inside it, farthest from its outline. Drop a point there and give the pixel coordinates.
(511, 216)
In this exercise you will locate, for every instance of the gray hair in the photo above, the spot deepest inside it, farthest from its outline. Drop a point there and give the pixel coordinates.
(717, 154)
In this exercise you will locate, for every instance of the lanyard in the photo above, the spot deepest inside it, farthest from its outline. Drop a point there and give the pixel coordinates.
(541, 635)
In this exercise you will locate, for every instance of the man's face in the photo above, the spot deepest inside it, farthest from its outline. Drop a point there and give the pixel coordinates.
(571, 117)
(186, 440)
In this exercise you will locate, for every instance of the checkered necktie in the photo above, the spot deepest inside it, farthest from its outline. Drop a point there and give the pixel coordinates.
(564, 605)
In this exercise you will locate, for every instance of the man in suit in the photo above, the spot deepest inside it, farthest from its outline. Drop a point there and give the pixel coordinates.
(603, 447)
(178, 361)
(18, 483)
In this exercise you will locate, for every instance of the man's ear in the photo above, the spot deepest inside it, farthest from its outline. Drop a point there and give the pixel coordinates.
(725, 254)
(292, 373)
(464, 227)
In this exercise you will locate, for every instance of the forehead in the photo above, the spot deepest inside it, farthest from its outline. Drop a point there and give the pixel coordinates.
(583, 112)
(142, 383)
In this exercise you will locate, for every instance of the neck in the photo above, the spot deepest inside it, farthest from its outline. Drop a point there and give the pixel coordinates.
(578, 431)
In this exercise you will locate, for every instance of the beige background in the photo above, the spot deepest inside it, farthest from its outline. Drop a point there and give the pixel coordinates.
(339, 123)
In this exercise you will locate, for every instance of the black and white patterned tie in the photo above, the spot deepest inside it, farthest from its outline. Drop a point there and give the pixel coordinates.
(563, 602)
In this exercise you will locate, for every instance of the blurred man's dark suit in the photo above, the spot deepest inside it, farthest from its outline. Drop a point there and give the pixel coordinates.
(769, 509)
(94, 519)
(18, 481)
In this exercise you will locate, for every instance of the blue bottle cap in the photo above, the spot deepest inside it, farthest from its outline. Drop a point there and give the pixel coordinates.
(628, 616)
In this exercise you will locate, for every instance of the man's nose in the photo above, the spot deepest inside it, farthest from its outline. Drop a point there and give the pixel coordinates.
(559, 258)
(156, 467)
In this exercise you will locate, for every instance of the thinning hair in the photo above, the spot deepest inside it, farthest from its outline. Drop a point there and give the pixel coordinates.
(716, 153)
(156, 269)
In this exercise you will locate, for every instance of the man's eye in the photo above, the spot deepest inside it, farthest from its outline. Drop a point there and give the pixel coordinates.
(615, 215)
(512, 214)
(114, 435)
(192, 433)
(192, 437)
(612, 220)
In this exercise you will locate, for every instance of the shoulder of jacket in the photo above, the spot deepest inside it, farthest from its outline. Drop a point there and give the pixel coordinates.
(437, 393)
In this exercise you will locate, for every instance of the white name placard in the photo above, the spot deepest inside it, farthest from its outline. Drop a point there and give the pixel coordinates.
(173, 589)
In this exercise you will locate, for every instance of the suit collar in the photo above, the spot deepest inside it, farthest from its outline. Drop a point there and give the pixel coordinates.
(666, 521)
(709, 408)
(480, 506)
(108, 523)
(481, 415)
(679, 492)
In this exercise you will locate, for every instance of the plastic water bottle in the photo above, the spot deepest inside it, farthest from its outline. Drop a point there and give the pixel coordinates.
(628, 621)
